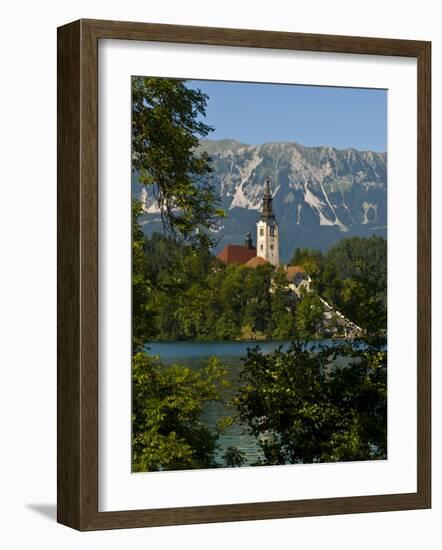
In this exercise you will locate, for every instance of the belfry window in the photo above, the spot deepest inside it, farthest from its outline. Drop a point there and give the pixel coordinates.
(272, 231)
(261, 231)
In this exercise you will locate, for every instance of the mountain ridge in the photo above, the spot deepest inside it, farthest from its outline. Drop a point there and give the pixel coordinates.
(217, 145)
(320, 194)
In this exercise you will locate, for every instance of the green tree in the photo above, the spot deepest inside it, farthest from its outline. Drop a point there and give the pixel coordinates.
(362, 301)
(257, 296)
(167, 431)
(357, 258)
(283, 320)
(352, 277)
(303, 407)
(143, 315)
(167, 124)
(309, 315)
(359, 283)
(233, 457)
(351, 255)
(330, 284)
(232, 301)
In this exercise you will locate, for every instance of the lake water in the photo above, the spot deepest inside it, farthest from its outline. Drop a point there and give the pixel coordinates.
(195, 355)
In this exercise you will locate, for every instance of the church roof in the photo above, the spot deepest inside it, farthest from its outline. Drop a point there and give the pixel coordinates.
(256, 261)
(236, 254)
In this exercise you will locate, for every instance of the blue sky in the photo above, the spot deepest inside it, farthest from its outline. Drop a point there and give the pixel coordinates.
(256, 113)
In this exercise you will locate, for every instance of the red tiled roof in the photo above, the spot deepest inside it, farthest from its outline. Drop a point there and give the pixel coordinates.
(236, 254)
(256, 261)
(292, 270)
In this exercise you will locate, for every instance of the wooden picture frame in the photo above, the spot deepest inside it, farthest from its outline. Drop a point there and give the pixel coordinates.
(77, 461)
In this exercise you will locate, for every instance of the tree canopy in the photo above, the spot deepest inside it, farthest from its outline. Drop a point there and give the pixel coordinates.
(352, 277)
(198, 298)
(167, 124)
(304, 407)
(167, 431)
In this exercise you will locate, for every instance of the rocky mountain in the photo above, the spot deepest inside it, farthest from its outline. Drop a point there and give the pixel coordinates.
(320, 194)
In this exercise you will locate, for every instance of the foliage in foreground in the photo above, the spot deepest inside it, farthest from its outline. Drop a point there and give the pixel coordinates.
(303, 408)
(167, 431)
(167, 125)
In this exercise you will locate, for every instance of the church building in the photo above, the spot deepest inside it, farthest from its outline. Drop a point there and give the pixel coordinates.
(267, 239)
(267, 249)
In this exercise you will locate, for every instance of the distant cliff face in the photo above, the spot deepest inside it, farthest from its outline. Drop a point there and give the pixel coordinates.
(320, 194)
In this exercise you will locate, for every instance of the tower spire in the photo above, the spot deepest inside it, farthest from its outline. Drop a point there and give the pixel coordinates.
(267, 186)
(267, 208)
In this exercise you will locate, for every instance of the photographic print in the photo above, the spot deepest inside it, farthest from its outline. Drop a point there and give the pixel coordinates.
(259, 274)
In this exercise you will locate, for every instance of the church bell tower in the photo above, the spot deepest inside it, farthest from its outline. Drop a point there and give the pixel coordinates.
(267, 238)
